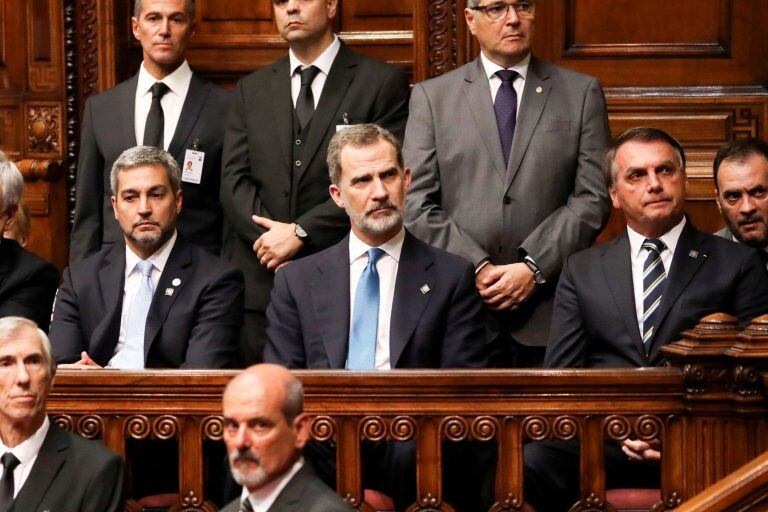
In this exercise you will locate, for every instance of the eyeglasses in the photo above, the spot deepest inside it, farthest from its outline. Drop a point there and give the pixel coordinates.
(500, 10)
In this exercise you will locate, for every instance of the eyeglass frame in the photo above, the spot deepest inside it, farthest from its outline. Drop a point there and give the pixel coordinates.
(524, 14)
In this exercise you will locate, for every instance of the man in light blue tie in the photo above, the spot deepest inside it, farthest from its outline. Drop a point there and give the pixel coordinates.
(378, 300)
(154, 301)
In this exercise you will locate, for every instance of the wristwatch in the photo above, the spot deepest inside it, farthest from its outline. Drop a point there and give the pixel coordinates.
(300, 233)
(538, 277)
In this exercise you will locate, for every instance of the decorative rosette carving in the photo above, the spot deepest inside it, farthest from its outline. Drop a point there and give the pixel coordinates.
(137, 427)
(509, 504)
(165, 427)
(485, 428)
(648, 427)
(565, 427)
(618, 428)
(323, 428)
(403, 428)
(455, 428)
(536, 428)
(373, 428)
(212, 428)
(64, 422)
(90, 426)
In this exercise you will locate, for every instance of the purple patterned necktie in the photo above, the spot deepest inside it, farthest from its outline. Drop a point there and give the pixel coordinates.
(505, 107)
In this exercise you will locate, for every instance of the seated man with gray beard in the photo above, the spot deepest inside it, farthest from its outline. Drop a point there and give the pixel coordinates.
(154, 301)
(265, 430)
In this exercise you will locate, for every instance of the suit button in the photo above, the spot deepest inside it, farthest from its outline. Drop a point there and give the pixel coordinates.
(286, 193)
(298, 163)
(507, 200)
(298, 142)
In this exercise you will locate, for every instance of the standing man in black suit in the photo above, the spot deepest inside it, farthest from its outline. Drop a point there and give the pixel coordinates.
(164, 105)
(27, 282)
(617, 304)
(741, 187)
(274, 178)
(107, 311)
(265, 430)
(380, 299)
(44, 467)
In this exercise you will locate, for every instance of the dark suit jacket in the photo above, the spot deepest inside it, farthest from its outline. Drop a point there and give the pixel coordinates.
(305, 492)
(308, 318)
(594, 324)
(27, 284)
(548, 202)
(258, 174)
(108, 130)
(72, 474)
(196, 326)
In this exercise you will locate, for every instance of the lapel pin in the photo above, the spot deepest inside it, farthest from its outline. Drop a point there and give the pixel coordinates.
(169, 292)
(693, 254)
(539, 89)
(424, 289)
(176, 282)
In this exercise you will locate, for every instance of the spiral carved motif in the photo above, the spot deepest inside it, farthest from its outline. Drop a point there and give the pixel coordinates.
(440, 37)
(212, 428)
(648, 427)
(90, 427)
(137, 427)
(536, 428)
(165, 427)
(455, 428)
(403, 428)
(323, 428)
(484, 428)
(64, 422)
(565, 427)
(373, 428)
(618, 428)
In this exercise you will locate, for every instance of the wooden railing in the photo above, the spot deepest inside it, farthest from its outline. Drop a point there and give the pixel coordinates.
(708, 410)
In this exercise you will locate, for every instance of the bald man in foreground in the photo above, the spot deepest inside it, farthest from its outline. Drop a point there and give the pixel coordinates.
(265, 431)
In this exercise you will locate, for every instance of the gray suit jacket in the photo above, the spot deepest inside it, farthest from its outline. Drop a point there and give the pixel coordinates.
(725, 233)
(549, 202)
(304, 493)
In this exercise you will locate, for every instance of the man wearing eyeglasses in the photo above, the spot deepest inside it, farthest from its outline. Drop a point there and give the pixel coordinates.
(506, 154)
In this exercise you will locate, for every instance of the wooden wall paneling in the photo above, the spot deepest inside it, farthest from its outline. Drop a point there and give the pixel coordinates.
(44, 47)
(11, 127)
(12, 38)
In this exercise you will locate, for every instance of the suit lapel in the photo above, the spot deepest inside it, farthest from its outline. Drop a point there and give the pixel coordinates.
(282, 108)
(110, 283)
(127, 113)
(689, 257)
(178, 267)
(289, 498)
(49, 460)
(617, 269)
(409, 302)
(535, 95)
(5, 263)
(332, 302)
(478, 95)
(190, 111)
(340, 76)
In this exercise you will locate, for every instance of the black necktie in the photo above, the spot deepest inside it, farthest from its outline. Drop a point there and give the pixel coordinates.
(6, 486)
(245, 506)
(305, 103)
(505, 107)
(153, 129)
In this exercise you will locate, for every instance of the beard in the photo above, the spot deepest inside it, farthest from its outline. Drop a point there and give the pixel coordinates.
(755, 239)
(249, 478)
(150, 240)
(380, 224)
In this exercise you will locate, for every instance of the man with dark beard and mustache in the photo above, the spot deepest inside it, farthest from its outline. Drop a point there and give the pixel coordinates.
(741, 184)
(378, 300)
(154, 301)
(265, 431)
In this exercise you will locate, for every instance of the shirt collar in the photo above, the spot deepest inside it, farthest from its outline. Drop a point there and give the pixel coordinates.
(323, 62)
(267, 494)
(669, 238)
(158, 259)
(491, 67)
(30, 447)
(393, 247)
(177, 82)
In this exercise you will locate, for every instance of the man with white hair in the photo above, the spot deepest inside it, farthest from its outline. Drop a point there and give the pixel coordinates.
(27, 282)
(44, 467)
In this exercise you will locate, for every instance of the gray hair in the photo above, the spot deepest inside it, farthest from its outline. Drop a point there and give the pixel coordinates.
(141, 156)
(293, 405)
(11, 184)
(190, 8)
(358, 135)
(12, 324)
(638, 134)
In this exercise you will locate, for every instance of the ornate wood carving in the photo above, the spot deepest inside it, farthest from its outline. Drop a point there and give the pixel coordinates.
(72, 104)
(89, 50)
(441, 37)
(44, 129)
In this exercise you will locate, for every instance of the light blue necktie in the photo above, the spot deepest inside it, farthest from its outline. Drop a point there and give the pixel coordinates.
(132, 354)
(365, 317)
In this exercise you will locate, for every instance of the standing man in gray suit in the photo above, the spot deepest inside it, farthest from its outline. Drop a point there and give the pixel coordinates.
(506, 154)
(741, 188)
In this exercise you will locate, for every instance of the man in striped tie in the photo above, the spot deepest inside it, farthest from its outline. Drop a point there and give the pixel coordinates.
(617, 304)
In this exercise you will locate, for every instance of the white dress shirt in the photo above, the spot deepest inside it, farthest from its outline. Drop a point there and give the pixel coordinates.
(133, 281)
(495, 82)
(172, 102)
(639, 255)
(322, 62)
(26, 452)
(387, 268)
(264, 497)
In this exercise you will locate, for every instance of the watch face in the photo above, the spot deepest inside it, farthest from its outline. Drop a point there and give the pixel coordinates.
(300, 232)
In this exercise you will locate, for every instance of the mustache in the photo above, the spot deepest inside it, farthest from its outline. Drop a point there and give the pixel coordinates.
(145, 221)
(751, 219)
(245, 456)
(385, 205)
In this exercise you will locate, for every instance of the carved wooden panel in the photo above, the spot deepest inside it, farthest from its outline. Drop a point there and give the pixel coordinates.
(44, 43)
(11, 129)
(44, 131)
